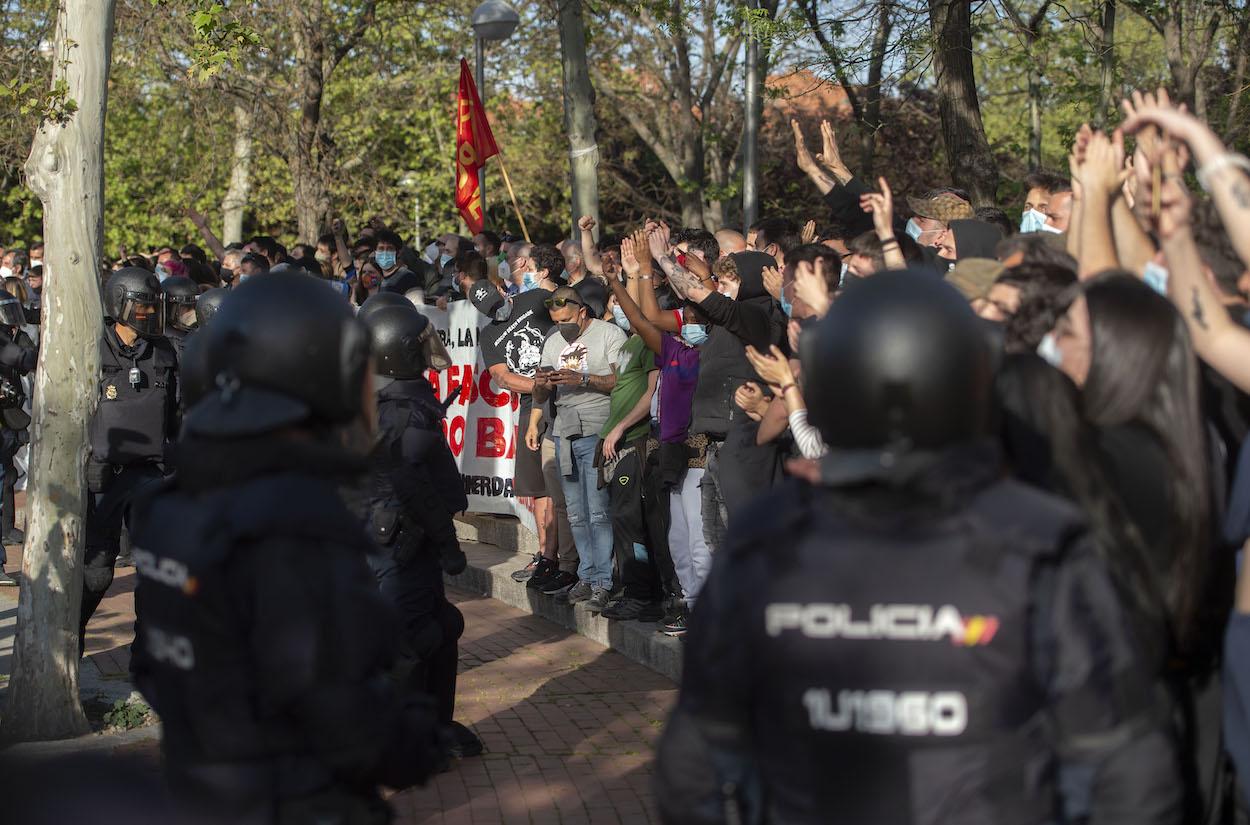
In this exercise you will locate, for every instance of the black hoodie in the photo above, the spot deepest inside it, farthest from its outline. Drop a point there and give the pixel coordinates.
(975, 239)
(752, 319)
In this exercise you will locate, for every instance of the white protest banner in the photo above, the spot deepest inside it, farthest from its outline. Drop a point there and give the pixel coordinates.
(481, 422)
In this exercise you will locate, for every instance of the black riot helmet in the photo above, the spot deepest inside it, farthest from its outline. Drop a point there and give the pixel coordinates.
(208, 304)
(132, 298)
(379, 300)
(281, 351)
(899, 363)
(405, 343)
(181, 295)
(12, 314)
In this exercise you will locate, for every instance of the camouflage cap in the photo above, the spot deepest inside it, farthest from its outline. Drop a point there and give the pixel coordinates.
(945, 207)
(973, 277)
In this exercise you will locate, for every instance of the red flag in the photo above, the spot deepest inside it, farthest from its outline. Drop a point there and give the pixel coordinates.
(474, 144)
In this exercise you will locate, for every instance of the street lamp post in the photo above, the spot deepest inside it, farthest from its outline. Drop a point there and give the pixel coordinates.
(492, 20)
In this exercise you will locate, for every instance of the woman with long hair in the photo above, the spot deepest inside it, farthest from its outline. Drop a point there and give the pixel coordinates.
(1128, 350)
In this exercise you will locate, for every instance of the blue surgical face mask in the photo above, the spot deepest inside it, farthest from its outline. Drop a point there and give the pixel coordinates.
(1054, 230)
(914, 230)
(385, 258)
(161, 273)
(1049, 351)
(528, 281)
(1032, 221)
(1156, 277)
(786, 306)
(619, 315)
(444, 259)
(693, 334)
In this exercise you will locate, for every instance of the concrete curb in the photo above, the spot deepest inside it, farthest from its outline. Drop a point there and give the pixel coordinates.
(495, 547)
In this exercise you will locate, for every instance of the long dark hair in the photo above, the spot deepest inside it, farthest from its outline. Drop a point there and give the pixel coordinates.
(1050, 445)
(1143, 371)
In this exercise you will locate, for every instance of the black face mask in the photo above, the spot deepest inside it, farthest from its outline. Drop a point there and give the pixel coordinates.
(571, 331)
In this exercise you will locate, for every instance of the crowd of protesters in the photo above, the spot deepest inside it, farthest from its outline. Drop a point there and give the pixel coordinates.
(661, 387)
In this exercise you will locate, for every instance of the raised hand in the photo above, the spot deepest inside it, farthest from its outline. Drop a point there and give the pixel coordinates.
(881, 207)
(750, 399)
(1102, 170)
(629, 258)
(586, 223)
(810, 286)
(806, 163)
(830, 155)
(809, 232)
(772, 366)
(772, 282)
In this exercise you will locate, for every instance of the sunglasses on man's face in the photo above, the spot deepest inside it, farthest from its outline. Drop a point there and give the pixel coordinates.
(552, 303)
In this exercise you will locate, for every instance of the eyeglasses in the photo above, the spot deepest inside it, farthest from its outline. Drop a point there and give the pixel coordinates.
(552, 303)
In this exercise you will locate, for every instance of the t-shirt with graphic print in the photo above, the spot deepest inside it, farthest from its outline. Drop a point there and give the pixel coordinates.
(597, 351)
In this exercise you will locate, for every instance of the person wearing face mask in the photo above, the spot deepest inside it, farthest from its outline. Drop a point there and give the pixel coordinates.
(742, 314)
(229, 270)
(134, 424)
(180, 295)
(1038, 188)
(933, 214)
(395, 276)
(271, 651)
(677, 553)
(250, 266)
(579, 368)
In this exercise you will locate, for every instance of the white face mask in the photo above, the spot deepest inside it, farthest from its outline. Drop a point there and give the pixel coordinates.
(1156, 277)
(1049, 351)
(1054, 230)
(1032, 221)
(5, 272)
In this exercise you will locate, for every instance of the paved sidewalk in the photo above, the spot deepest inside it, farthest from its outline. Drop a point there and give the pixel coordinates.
(569, 727)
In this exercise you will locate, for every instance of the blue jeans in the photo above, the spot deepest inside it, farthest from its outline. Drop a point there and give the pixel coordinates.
(589, 514)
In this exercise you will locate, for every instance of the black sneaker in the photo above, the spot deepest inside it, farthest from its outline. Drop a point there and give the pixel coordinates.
(634, 610)
(6, 580)
(543, 573)
(676, 627)
(464, 742)
(528, 570)
(559, 583)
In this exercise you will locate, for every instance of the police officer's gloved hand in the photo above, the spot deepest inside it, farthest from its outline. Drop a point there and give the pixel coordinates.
(17, 358)
(97, 476)
(453, 561)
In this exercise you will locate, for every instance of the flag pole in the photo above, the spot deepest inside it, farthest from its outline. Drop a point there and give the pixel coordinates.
(508, 183)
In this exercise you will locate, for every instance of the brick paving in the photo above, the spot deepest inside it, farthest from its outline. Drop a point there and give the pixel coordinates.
(569, 726)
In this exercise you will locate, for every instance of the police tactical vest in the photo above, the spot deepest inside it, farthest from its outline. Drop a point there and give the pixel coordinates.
(898, 675)
(192, 656)
(397, 529)
(133, 419)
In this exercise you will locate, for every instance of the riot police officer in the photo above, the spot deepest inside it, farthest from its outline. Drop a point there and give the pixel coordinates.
(135, 420)
(207, 304)
(416, 489)
(17, 359)
(181, 297)
(911, 638)
(261, 638)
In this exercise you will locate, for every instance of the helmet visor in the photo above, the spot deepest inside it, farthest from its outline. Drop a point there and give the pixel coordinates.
(181, 313)
(432, 349)
(11, 312)
(142, 313)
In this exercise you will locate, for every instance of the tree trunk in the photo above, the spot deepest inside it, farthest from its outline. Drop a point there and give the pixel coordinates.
(579, 113)
(1106, 52)
(235, 201)
(872, 104)
(312, 203)
(1232, 124)
(66, 171)
(968, 155)
(1035, 115)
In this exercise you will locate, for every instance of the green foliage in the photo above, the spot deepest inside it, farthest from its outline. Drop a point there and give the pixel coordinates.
(127, 715)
